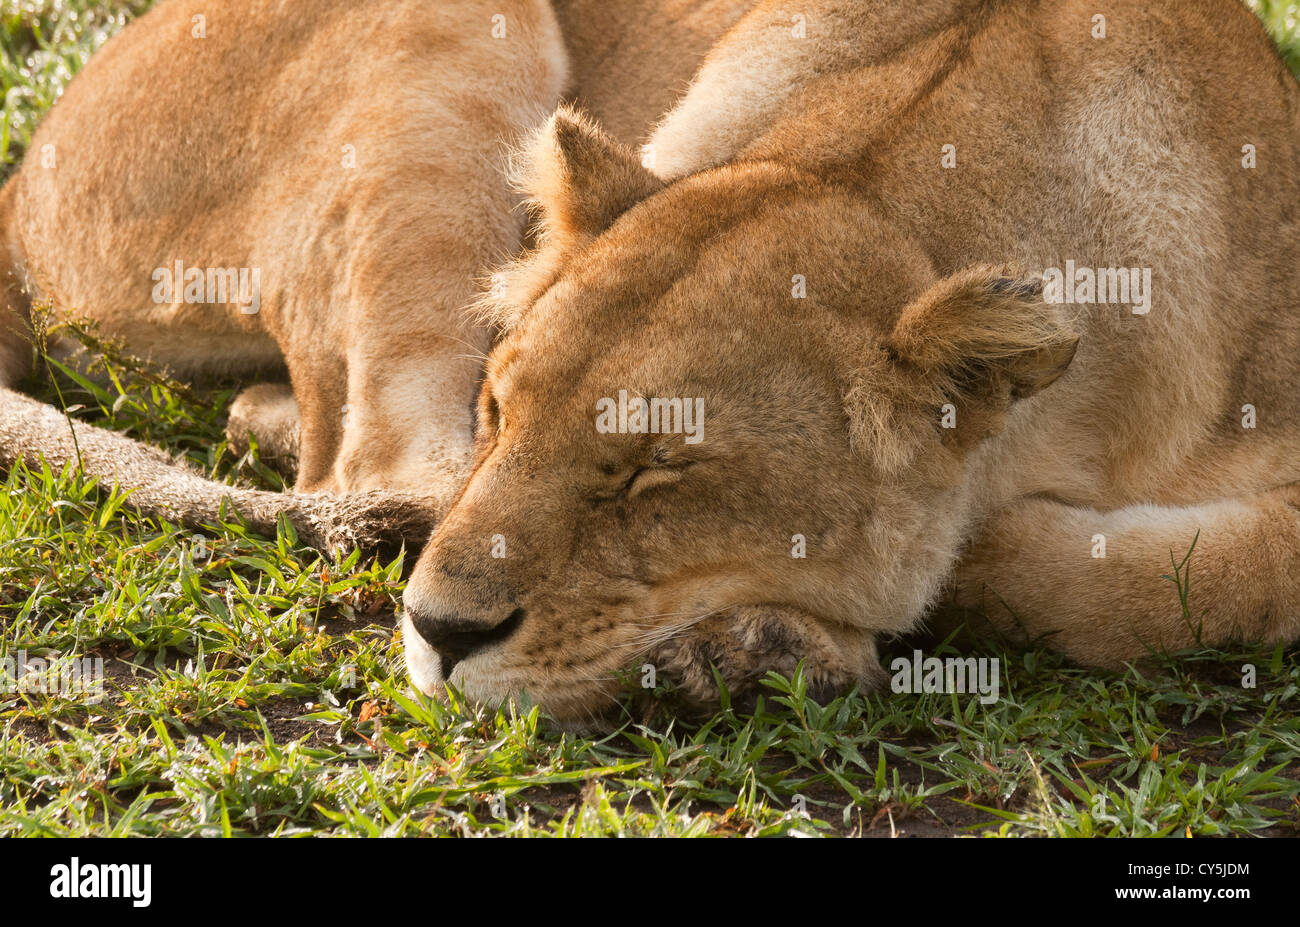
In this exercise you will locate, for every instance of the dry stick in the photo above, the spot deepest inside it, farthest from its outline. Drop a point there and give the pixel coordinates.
(160, 487)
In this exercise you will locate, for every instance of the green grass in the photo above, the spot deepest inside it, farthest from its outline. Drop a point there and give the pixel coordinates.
(254, 687)
(43, 43)
(1282, 17)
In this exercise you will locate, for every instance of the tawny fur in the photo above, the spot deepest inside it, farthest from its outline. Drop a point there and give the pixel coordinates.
(810, 149)
(354, 162)
(817, 160)
(366, 188)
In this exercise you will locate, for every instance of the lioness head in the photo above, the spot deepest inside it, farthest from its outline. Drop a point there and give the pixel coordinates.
(712, 434)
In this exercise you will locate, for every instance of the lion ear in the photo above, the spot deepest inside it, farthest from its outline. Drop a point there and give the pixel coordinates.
(579, 178)
(959, 355)
(985, 332)
(578, 181)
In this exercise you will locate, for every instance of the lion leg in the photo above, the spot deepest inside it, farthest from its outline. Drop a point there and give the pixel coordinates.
(392, 414)
(415, 357)
(1099, 586)
(408, 424)
(267, 413)
(15, 308)
(15, 344)
(320, 393)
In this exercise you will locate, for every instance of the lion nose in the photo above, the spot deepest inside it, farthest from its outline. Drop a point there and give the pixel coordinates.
(457, 637)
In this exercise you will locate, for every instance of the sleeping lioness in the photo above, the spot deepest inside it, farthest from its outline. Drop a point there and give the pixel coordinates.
(261, 188)
(993, 299)
(971, 300)
(308, 192)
